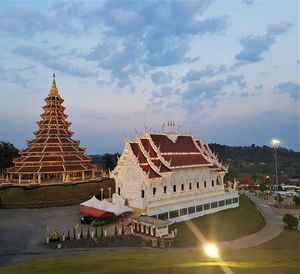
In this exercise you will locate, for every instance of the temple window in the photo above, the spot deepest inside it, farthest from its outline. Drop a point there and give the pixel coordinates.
(174, 188)
(183, 211)
(204, 183)
(198, 185)
(143, 193)
(182, 187)
(173, 214)
(190, 186)
(119, 191)
(212, 183)
(165, 189)
(154, 190)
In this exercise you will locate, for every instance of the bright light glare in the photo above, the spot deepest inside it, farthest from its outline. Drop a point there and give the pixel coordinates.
(275, 142)
(211, 250)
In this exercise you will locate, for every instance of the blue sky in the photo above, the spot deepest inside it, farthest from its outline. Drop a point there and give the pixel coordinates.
(225, 71)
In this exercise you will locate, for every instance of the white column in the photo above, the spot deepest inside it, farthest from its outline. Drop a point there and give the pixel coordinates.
(109, 192)
(39, 178)
(101, 194)
(93, 174)
(82, 175)
(20, 178)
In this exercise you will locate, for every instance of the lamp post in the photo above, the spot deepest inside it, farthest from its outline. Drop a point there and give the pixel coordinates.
(276, 143)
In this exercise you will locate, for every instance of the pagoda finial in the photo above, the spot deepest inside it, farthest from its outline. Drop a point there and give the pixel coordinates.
(53, 90)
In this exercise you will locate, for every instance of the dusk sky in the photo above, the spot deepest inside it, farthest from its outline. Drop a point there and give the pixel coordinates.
(225, 71)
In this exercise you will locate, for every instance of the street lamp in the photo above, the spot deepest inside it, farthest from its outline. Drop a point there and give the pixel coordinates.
(275, 144)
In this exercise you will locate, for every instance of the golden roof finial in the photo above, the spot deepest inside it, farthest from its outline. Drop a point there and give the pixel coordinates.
(53, 90)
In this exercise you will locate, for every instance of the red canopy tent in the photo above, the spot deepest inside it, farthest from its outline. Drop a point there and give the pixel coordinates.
(94, 212)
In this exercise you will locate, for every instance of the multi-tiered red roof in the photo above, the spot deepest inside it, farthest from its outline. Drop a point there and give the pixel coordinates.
(158, 154)
(53, 155)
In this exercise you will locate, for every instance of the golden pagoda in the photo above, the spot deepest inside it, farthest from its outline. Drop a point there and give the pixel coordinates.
(53, 156)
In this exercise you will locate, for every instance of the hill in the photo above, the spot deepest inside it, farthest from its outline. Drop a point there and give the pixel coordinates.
(258, 161)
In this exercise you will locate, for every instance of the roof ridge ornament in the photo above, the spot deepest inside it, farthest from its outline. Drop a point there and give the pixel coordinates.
(171, 131)
(53, 90)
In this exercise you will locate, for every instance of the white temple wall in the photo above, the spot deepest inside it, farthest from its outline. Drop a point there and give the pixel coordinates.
(131, 182)
(177, 211)
(186, 176)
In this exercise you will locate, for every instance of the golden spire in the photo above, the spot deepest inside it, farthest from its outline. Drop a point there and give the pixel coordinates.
(53, 90)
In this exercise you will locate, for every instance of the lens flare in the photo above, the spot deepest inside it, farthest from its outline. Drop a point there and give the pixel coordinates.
(211, 250)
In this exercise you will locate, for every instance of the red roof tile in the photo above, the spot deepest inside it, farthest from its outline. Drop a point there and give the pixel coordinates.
(13, 169)
(32, 159)
(28, 169)
(182, 144)
(71, 158)
(160, 165)
(74, 168)
(149, 171)
(45, 169)
(52, 159)
(52, 149)
(147, 146)
(138, 153)
(186, 160)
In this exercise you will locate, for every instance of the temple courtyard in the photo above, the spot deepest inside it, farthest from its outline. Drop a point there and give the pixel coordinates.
(271, 247)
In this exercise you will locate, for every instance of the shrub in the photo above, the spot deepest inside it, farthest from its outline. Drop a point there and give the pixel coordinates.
(290, 220)
(280, 198)
(296, 200)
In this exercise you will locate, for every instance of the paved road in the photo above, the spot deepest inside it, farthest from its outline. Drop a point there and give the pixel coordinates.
(274, 226)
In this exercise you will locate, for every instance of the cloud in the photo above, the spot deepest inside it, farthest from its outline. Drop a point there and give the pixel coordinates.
(145, 34)
(62, 18)
(209, 71)
(255, 46)
(159, 78)
(258, 87)
(278, 28)
(248, 2)
(148, 34)
(210, 90)
(13, 77)
(292, 88)
(51, 61)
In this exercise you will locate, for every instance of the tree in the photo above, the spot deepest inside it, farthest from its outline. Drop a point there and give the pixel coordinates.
(263, 187)
(296, 200)
(7, 153)
(290, 220)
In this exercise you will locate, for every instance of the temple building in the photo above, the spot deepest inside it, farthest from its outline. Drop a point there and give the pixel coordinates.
(53, 156)
(172, 176)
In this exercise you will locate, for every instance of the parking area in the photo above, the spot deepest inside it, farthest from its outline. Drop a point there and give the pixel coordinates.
(23, 230)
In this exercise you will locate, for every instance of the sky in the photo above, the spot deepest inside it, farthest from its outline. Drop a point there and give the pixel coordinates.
(224, 71)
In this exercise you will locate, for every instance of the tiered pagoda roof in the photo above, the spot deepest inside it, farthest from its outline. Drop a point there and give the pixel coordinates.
(160, 154)
(52, 150)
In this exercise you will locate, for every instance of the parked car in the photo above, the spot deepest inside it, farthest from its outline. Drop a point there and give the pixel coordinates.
(98, 222)
(86, 219)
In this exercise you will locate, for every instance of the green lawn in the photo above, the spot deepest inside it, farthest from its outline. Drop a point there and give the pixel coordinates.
(222, 226)
(280, 255)
(54, 193)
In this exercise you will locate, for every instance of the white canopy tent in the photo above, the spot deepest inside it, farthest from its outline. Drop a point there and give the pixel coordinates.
(116, 208)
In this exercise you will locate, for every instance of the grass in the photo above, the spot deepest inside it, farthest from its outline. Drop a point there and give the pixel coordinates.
(280, 255)
(54, 193)
(222, 226)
